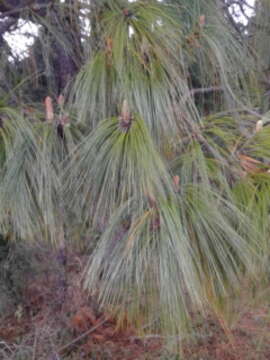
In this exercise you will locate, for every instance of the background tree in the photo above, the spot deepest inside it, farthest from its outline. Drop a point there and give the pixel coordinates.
(56, 54)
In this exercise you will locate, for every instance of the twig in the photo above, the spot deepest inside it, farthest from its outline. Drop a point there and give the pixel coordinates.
(206, 90)
(6, 346)
(82, 335)
(7, 24)
(35, 345)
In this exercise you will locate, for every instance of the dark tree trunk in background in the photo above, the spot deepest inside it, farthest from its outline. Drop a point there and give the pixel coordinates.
(67, 54)
(65, 49)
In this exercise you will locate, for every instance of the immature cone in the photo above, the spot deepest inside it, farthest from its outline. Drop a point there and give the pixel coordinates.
(125, 117)
(151, 200)
(176, 181)
(202, 20)
(49, 109)
(259, 125)
(109, 45)
(61, 100)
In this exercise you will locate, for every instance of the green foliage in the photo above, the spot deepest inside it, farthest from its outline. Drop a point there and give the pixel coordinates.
(113, 165)
(182, 220)
(30, 188)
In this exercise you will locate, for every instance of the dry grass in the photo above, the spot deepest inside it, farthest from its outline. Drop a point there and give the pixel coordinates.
(51, 318)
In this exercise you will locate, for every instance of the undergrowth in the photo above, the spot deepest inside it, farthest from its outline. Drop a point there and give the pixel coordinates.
(45, 315)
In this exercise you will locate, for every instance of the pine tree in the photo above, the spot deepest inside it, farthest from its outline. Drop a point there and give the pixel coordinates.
(157, 150)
